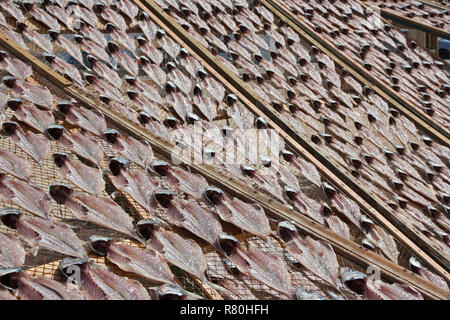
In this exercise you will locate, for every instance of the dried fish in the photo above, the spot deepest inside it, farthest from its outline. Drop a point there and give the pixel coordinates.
(12, 254)
(43, 234)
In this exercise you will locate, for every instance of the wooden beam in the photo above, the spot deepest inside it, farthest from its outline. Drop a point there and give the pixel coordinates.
(366, 199)
(413, 23)
(356, 253)
(420, 118)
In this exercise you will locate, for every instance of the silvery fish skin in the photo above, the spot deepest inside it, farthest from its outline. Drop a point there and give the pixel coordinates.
(25, 196)
(98, 210)
(262, 266)
(12, 254)
(143, 262)
(317, 257)
(45, 234)
(15, 165)
(43, 288)
(98, 283)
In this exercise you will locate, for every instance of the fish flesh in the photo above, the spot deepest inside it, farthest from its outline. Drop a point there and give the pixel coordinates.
(86, 178)
(190, 215)
(379, 290)
(381, 239)
(43, 288)
(262, 266)
(204, 103)
(91, 120)
(5, 295)
(98, 283)
(14, 66)
(31, 115)
(134, 183)
(25, 196)
(68, 70)
(97, 210)
(15, 165)
(128, 8)
(138, 151)
(36, 94)
(146, 263)
(43, 234)
(77, 143)
(316, 256)
(344, 205)
(247, 216)
(185, 181)
(105, 72)
(186, 254)
(113, 17)
(12, 254)
(128, 63)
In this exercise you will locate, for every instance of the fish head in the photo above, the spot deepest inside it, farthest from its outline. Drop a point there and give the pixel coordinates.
(3, 55)
(144, 60)
(170, 87)
(171, 292)
(14, 103)
(305, 294)
(112, 47)
(145, 118)
(100, 245)
(202, 73)
(231, 99)
(91, 59)
(329, 190)
(64, 106)
(415, 264)
(9, 278)
(191, 118)
(117, 164)
(161, 167)
(21, 26)
(287, 231)
(171, 122)
(164, 197)
(10, 217)
(197, 90)
(98, 7)
(109, 27)
(287, 155)
(111, 135)
(353, 279)
(214, 195)
(326, 209)
(132, 94)
(145, 228)
(248, 170)
(10, 127)
(60, 158)
(50, 58)
(290, 192)
(261, 123)
(227, 243)
(60, 192)
(78, 38)
(143, 16)
(366, 243)
(141, 40)
(227, 131)
(160, 33)
(90, 77)
(55, 131)
(9, 81)
(70, 266)
(366, 222)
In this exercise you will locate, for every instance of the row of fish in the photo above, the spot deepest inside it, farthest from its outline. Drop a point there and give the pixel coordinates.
(377, 129)
(406, 67)
(61, 191)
